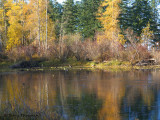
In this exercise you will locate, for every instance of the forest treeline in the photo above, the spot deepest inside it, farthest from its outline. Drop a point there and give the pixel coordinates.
(97, 30)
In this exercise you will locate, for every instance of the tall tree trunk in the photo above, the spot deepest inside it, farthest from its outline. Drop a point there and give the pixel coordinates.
(5, 26)
(22, 22)
(46, 25)
(61, 42)
(39, 26)
(0, 42)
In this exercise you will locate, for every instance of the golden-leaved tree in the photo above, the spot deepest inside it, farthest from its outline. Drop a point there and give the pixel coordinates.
(3, 22)
(28, 23)
(108, 15)
(146, 35)
(16, 18)
(40, 26)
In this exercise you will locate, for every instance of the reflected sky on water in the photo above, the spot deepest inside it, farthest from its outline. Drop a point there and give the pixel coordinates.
(86, 95)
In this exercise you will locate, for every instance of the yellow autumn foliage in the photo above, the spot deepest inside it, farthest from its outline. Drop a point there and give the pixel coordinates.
(1, 19)
(23, 19)
(146, 34)
(108, 19)
(15, 29)
(121, 39)
(32, 23)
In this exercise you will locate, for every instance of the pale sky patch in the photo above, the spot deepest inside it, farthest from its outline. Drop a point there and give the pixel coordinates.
(60, 1)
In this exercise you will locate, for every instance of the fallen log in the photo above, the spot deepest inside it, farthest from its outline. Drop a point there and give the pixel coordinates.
(146, 62)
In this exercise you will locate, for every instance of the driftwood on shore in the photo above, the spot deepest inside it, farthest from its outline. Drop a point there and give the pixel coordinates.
(146, 62)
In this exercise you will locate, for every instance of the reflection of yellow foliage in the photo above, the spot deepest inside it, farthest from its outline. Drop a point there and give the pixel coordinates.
(110, 110)
(14, 92)
(148, 97)
(112, 94)
(38, 95)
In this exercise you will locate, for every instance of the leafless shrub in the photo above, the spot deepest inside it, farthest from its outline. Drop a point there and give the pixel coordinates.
(22, 53)
(98, 51)
(156, 55)
(136, 51)
(76, 46)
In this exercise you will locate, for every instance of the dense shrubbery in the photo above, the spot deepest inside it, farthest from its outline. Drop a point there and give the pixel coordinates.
(87, 50)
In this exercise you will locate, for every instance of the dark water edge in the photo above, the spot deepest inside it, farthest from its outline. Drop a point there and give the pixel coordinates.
(80, 95)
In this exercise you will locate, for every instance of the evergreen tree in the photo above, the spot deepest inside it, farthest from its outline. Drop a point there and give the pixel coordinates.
(87, 14)
(125, 15)
(68, 18)
(55, 13)
(55, 10)
(154, 5)
(141, 15)
(137, 15)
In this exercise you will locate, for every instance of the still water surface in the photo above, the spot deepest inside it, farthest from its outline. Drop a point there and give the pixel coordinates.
(86, 95)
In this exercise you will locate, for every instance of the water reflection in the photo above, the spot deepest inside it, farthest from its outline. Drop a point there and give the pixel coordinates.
(85, 95)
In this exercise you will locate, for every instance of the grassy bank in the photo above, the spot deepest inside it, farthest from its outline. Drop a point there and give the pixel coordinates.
(113, 65)
(73, 64)
(4, 66)
(107, 65)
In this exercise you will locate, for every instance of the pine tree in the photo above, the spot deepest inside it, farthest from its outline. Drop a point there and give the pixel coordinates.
(154, 5)
(69, 19)
(141, 15)
(55, 14)
(137, 15)
(55, 10)
(125, 15)
(87, 14)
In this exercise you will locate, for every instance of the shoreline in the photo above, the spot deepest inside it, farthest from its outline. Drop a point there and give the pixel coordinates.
(83, 65)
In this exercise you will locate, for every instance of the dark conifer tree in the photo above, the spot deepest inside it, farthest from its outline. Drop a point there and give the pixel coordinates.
(87, 16)
(137, 15)
(125, 15)
(69, 17)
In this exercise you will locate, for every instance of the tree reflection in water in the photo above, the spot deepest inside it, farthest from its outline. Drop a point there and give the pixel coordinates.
(82, 94)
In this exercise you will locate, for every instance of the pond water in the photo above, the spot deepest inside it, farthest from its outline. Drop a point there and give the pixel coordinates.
(85, 95)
